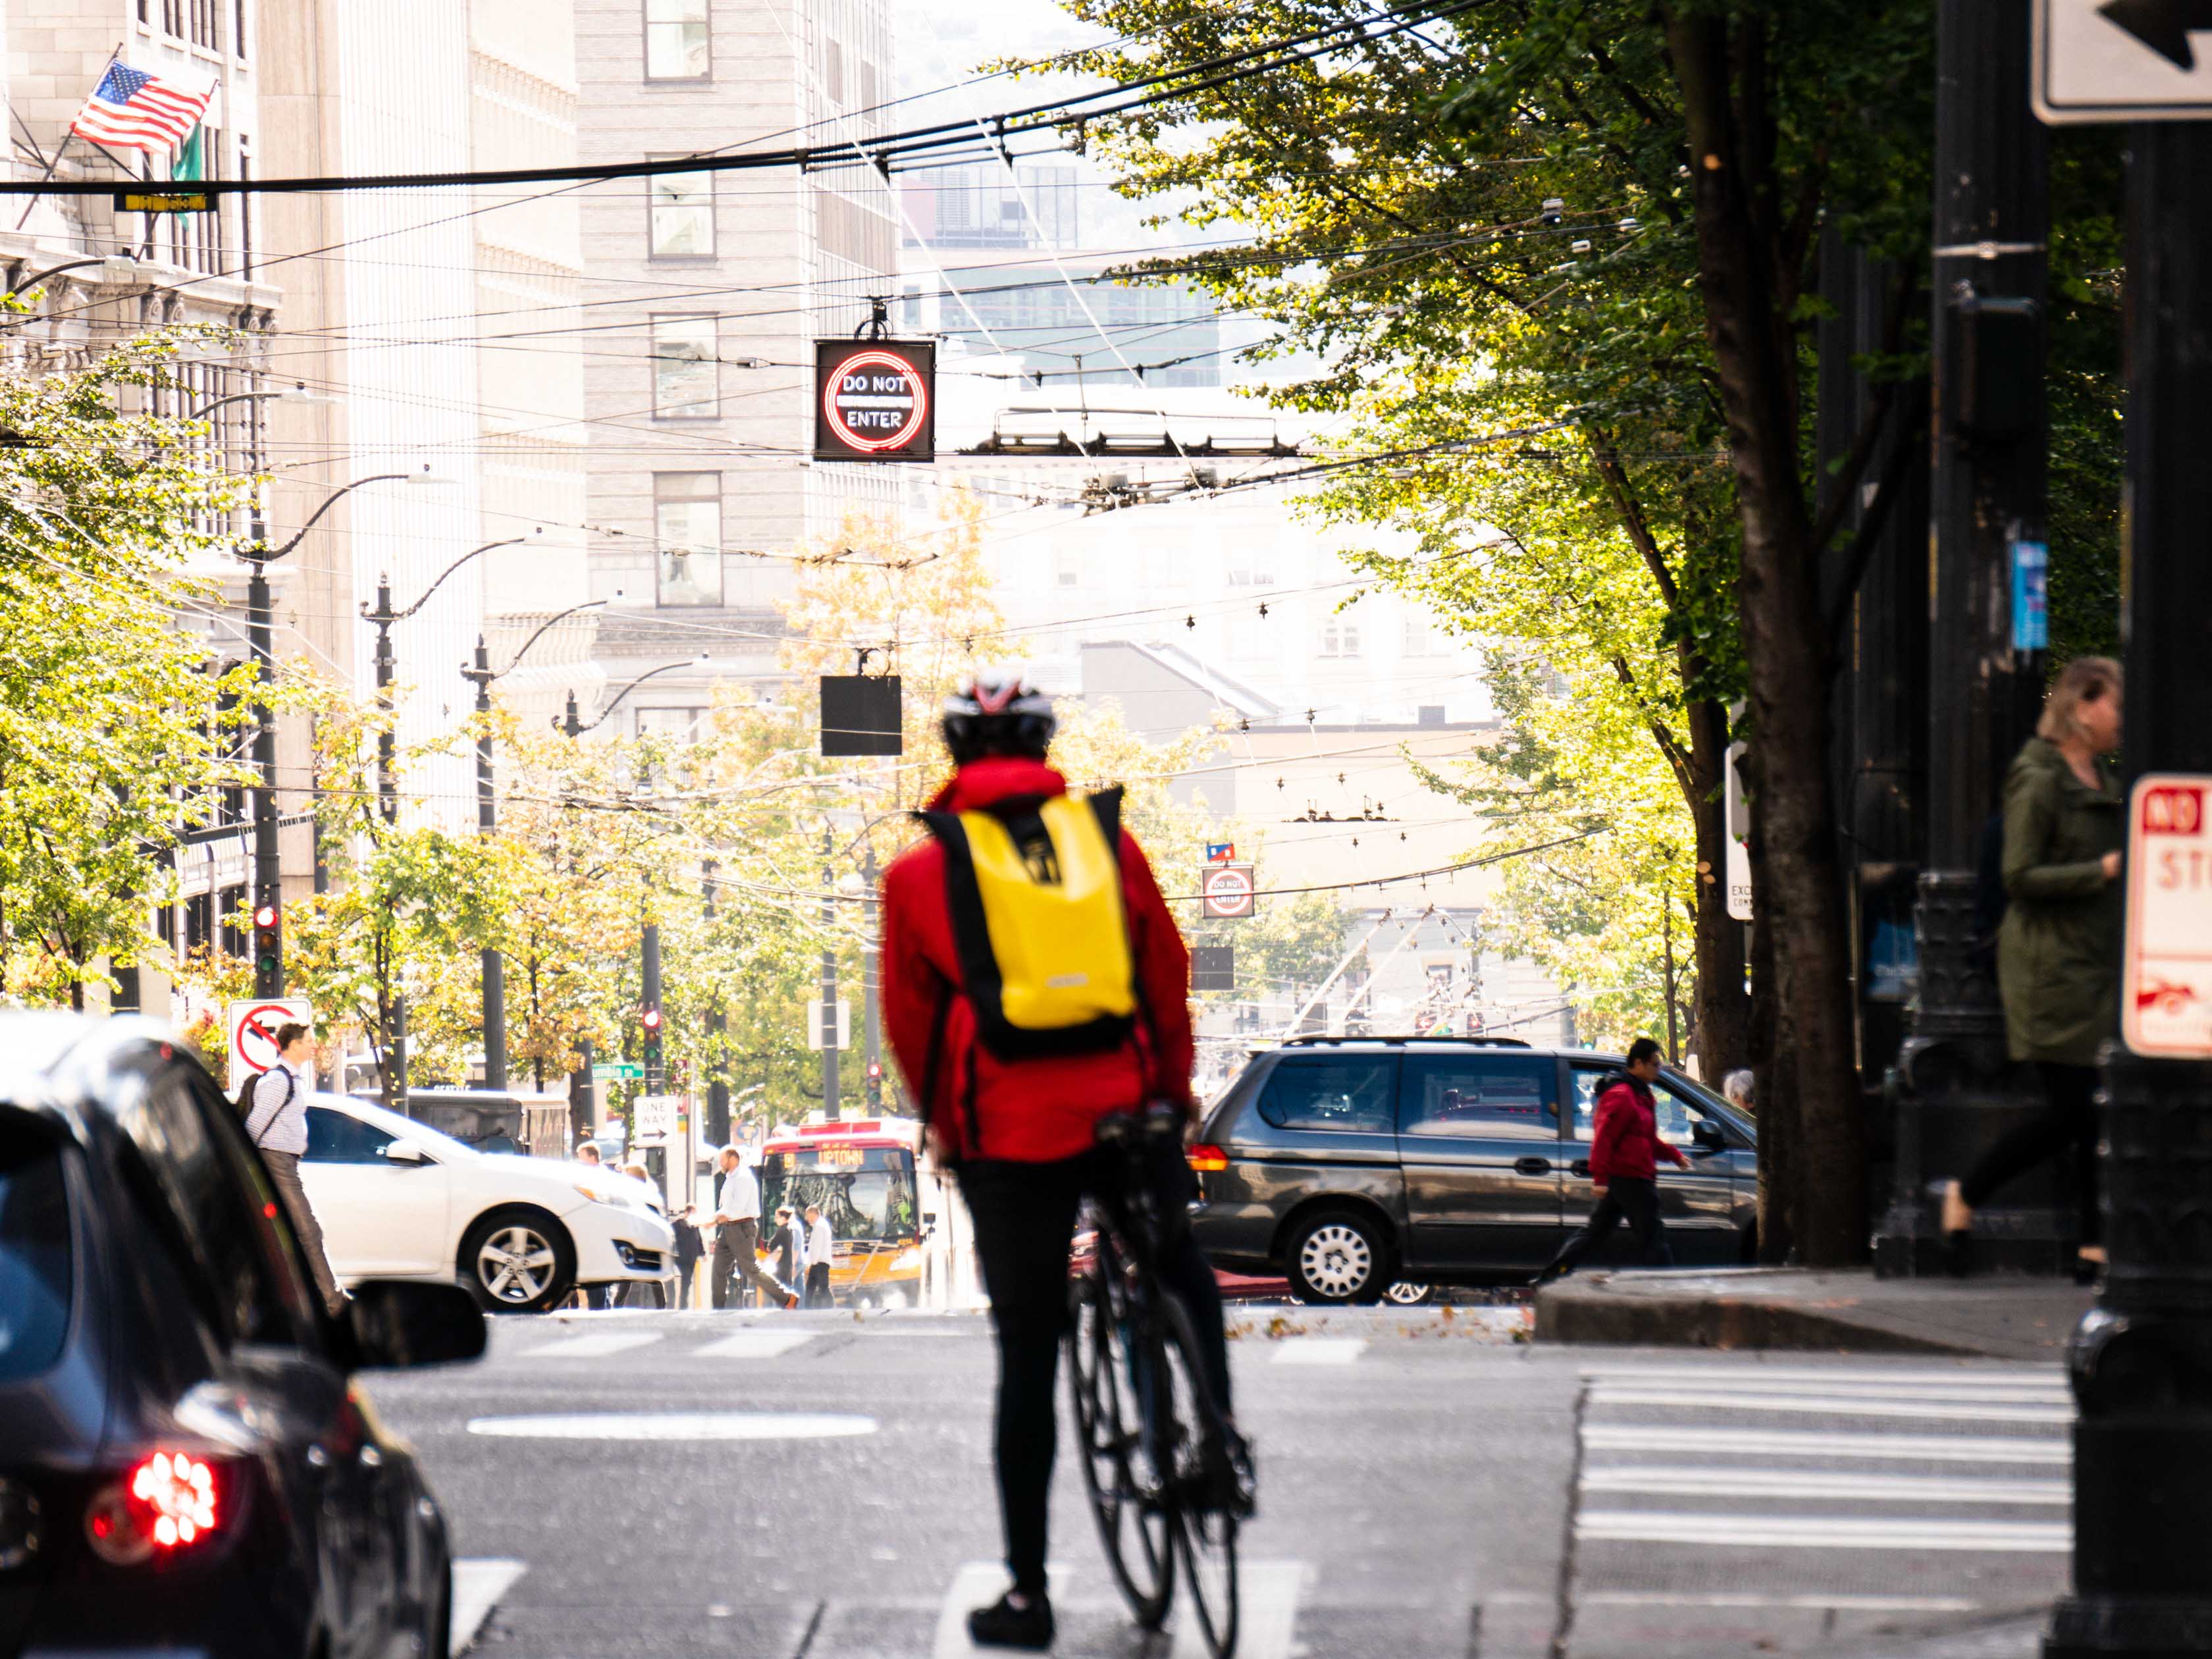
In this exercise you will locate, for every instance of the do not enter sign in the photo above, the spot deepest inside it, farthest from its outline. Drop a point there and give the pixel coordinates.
(253, 1027)
(875, 400)
(1225, 891)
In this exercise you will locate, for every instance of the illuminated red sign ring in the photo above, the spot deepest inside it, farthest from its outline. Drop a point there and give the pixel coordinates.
(834, 389)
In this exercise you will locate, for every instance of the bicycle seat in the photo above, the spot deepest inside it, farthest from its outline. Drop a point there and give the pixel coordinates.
(1139, 1129)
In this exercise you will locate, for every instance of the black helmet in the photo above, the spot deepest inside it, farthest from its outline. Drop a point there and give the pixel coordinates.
(996, 712)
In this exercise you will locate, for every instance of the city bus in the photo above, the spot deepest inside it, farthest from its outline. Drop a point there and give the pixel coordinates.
(864, 1173)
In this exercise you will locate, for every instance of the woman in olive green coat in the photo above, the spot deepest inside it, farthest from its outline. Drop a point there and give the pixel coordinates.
(2058, 950)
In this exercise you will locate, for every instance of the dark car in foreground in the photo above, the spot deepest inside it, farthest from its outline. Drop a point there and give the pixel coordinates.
(187, 1467)
(1349, 1164)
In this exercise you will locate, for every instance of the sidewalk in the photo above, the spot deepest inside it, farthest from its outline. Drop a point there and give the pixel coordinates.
(1783, 1308)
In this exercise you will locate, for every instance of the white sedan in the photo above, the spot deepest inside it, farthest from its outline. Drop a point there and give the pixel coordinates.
(398, 1200)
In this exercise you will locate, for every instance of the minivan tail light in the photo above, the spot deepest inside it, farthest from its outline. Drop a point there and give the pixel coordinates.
(169, 1501)
(1206, 1160)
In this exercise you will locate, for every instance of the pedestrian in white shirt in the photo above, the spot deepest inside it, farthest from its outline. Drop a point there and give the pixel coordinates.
(736, 1235)
(276, 1122)
(821, 1246)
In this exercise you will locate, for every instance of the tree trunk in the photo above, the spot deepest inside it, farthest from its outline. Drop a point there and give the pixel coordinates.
(1739, 226)
(1721, 1022)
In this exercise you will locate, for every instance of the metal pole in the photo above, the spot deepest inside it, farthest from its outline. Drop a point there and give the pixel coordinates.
(268, 882)
(388, 791)
(582, 1108)
(829, 1014)
(718, 1022)
(495, 965)
(1957, 1091)
(872, 971)
(2141, 1360)
(650, 953)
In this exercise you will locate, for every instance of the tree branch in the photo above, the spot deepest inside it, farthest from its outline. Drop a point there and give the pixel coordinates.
(1855, 562)
(1607, 457)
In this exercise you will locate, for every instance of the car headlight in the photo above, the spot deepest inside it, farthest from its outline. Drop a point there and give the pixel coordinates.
(599, 1195)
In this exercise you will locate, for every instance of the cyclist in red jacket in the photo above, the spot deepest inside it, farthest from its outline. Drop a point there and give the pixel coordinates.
(1019, 1131)
(1623, 1165)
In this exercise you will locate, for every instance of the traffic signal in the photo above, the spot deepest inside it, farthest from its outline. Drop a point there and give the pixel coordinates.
(268, 951)
(875, 1084)
(649, 1023)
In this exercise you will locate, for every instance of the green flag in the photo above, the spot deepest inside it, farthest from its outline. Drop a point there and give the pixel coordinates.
(188, 164)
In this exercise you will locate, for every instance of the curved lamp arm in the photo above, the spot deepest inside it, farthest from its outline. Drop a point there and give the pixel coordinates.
(335, 496)
(665, 668)
(402, 616)
(589, 604)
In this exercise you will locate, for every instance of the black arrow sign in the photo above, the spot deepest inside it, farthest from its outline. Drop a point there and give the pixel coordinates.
(2162, 25)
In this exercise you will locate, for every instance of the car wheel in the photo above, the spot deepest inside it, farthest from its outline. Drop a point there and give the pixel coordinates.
(1337, 1256)
(519, 1260)
(1403, 1295)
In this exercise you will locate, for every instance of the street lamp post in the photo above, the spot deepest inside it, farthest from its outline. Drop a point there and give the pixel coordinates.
(827, 1016)
(718, 1024)
(495, 965)
(2141, 1359)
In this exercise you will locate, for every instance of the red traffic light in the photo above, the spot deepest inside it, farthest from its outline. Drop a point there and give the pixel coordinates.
(265, 916)
(650, 1019)
(875, 1070)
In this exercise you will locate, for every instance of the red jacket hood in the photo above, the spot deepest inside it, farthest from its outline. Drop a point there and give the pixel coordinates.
(995, 778)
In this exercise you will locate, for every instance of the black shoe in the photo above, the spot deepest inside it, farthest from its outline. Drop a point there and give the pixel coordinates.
(1957, 1253)
(1003, 1625)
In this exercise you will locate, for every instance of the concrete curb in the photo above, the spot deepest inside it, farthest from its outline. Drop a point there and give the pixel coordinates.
(1586, 1314)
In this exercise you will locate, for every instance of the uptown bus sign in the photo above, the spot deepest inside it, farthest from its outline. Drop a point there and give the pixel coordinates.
(875, 400)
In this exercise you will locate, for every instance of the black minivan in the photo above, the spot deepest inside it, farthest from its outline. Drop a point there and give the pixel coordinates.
(1352, 1164)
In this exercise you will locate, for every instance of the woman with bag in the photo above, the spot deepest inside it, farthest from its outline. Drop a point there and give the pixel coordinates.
(2058, 946)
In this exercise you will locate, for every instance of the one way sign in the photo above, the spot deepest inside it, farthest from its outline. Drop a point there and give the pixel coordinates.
(2123, 60)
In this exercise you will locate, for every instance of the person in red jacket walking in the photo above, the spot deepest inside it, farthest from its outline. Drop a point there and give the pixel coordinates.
(1020, 1132)
(1623, 1165)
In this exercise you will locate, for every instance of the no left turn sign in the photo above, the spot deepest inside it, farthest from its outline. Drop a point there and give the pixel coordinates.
(254, 1032)
(1225, 891)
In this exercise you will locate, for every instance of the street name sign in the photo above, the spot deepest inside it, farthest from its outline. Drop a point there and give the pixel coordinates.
(2166, 982)
(1225, 891)
(617, 1071)
(875, 400)
(820, 1024)
(252, 1027)
(2121, 60)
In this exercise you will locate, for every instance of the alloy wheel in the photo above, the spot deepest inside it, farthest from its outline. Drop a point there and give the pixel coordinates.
(515, 1264)
(1337, 1259)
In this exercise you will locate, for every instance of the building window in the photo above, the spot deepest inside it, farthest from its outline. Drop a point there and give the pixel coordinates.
(238, 34)
(1423, 638)
(684, 368)
(676, 44)
(1248, 566)
(1340, 637)
(1067, 570)
(833, 70)
(687, 528)
(682, 210)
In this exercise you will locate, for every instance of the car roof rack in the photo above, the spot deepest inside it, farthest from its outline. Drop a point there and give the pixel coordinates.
(1311, 1041)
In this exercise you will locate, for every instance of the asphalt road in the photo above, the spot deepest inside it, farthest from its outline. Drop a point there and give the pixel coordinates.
(817, 1486)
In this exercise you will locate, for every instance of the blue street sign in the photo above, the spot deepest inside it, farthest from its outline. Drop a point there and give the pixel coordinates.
(2031, 596)
(1220, 852)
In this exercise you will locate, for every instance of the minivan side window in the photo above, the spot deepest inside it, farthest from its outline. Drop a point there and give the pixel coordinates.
(1341, 1094)
(1674, 1112)
(1490, 1096)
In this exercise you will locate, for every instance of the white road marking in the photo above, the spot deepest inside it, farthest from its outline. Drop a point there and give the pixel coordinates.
(595, 1346)
(754, 1345)
(1266, 1611)
(977, 1584)
(1319, 1351)
(1847, 1532)
(675, 1426)
(1818, 1603)
(1836, 1404)
(1668, 1480)
(1806, 1443)
(1733, 1384)
(477, 1585)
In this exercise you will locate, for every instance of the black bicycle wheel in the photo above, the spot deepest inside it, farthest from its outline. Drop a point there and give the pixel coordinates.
(1205, 1528)
(1126, 1488)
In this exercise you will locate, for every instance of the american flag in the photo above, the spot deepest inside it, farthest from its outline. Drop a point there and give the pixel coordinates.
(136, 109)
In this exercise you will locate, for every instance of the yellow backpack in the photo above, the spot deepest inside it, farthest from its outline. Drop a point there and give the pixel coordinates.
(1034, 884)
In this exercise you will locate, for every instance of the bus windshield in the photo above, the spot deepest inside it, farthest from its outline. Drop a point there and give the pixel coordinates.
(866, 1193)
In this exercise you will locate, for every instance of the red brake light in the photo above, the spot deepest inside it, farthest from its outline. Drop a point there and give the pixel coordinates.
(1206, 1160)
(170, 1501)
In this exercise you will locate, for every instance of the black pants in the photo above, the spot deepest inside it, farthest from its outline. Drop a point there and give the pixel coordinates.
(1024, 1217)
(818, 1286)
(685, 1273)
(2066, 1129)
(737, 1265)
(1627, 1197)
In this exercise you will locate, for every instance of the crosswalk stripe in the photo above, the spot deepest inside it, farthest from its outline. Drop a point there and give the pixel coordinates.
(1831, 1405)
(1702, 1482)
(1320, 1350)
(1841, 1603)
(1861, 1532)
(1267, 1613)
(754, 1345)
(1846, 1388)
(596, 1347)
(478, 1583)
(1805, 1442)
(2051, 1377)
(977, 1584)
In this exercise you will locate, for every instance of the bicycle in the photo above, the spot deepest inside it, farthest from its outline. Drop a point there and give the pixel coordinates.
(1164, 1484)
